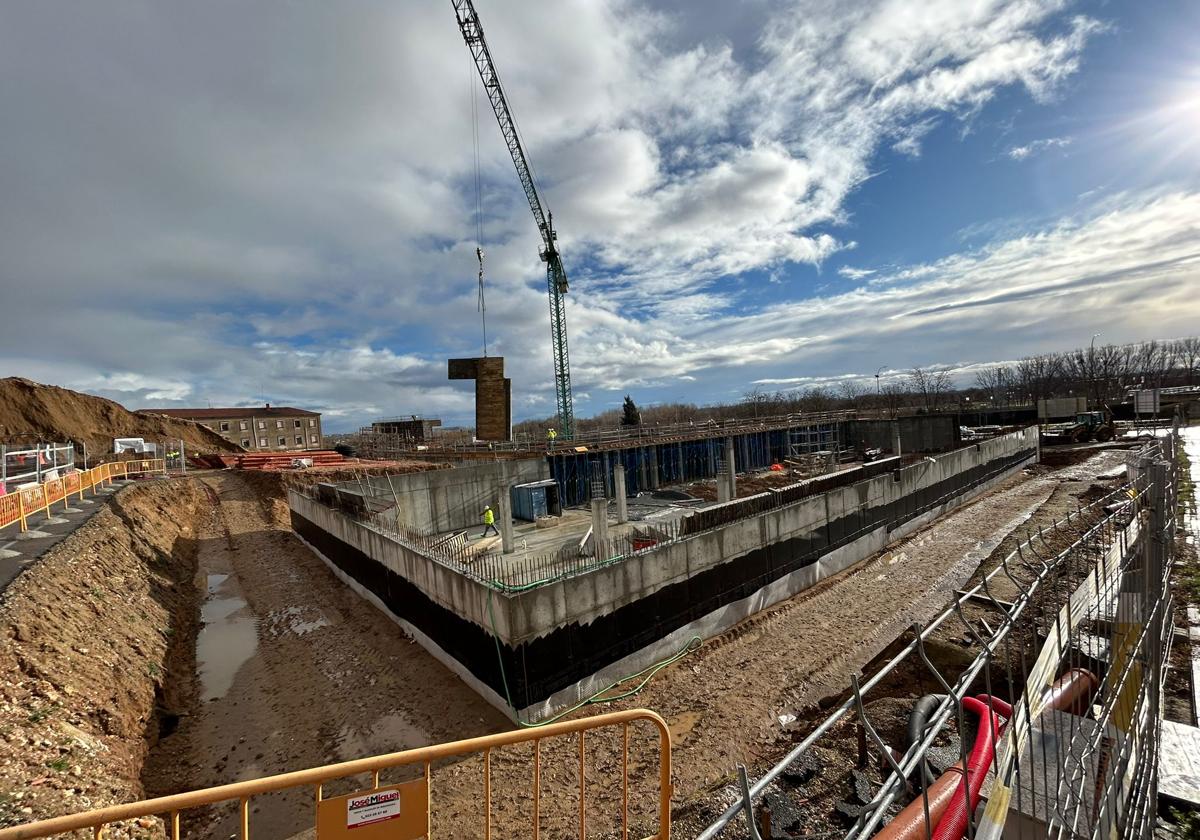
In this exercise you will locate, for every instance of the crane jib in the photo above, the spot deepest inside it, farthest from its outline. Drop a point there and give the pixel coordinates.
(556, 275)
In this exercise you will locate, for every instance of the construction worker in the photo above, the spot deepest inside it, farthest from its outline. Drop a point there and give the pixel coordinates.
(489, 521)
(551, 434)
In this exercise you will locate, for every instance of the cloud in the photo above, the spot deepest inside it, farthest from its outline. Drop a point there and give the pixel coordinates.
(210, 218)
(1019, 153)
(1128, 270)
(851, 273)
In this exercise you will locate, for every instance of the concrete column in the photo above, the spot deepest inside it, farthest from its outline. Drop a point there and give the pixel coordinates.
(896, 438)
(730, 468)
(504, 515)
(600, 527)
(619, 492)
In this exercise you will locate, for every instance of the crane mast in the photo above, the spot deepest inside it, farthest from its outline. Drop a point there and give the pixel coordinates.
(556, 275)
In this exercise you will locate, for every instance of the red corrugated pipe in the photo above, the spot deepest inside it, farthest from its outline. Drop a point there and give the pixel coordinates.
(910, 824)
(1071, 692)
(966, 795)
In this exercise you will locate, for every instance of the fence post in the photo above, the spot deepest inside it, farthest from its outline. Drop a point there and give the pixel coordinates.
(3, 466)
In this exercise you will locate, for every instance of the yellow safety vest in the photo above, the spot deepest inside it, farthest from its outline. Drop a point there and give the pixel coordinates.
(489, 518)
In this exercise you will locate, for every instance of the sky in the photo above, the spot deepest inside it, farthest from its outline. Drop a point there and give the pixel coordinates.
(226, 203)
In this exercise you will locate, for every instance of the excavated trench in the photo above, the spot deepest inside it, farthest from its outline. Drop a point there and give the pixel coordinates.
(216, 647)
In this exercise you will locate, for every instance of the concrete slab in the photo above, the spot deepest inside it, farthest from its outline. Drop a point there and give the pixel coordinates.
(32, 534)
(1179, 762)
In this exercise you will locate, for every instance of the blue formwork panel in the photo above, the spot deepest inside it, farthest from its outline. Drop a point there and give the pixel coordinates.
(657, 465)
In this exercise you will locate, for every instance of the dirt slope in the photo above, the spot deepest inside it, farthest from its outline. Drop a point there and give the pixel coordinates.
(89, 637)
(59, 414)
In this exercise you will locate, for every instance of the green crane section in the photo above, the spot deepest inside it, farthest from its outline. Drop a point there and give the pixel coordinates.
(556, 275)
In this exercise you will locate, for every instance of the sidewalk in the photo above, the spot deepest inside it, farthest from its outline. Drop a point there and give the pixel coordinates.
(17, 552)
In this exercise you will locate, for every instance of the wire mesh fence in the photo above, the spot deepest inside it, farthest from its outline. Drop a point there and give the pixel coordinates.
(1044, 682)
(32, 462)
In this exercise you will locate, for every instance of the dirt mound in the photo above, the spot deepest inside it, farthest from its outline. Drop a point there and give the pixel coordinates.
(57, 414)
(87, 637)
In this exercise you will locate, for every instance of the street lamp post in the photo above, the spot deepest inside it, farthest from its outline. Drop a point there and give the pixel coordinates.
(878, 393)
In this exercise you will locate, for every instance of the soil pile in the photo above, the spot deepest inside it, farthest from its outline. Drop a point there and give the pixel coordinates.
(88, 637)
(32, 410)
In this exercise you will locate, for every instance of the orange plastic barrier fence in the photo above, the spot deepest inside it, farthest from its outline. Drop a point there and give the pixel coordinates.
(397, 811)
(16, 507)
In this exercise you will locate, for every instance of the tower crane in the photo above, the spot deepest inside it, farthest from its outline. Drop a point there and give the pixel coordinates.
(556, 275)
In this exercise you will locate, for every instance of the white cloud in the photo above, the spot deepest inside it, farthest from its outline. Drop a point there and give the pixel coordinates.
(851, 273)
(1022, 152)
(227, 220)
(1129, 271)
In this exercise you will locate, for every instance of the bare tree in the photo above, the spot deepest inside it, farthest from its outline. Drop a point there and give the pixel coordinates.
(892, 396)
(817, 399)
(995, 382)
(851, 391)
(1038, 378)
(1187, 354)
(931, 386)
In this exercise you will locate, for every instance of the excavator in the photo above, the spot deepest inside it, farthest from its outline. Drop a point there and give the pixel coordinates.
(1087, 426)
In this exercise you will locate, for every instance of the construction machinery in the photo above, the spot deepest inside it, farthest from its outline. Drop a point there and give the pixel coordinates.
(1086, 426)
(556, 275)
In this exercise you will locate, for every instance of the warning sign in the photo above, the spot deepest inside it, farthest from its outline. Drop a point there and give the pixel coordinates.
(397, 812)
(372, 808)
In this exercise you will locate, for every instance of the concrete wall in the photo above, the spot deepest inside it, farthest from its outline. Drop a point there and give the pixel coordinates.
(443, 585)
(581, 599)
(918, 433)
(779, 553)
(446, 500)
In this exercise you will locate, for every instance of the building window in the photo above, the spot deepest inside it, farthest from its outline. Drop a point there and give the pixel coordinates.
(283, 441)
(224, 427)
(243, 425)
(278, 424)
(296, 423)
(299, 440)
(245, 443)
(262, 442)
(312, 422)
(312, 439)
(262, 424)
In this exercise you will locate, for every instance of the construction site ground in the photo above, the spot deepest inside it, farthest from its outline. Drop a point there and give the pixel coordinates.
(250, 658)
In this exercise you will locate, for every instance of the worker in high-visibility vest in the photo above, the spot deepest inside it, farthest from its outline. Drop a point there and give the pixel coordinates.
(489, 521)
(551, 434)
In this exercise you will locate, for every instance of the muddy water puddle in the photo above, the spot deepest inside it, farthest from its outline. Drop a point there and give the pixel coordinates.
(228, 636)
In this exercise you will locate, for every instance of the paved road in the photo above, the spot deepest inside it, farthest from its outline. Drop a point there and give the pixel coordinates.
(16, 554)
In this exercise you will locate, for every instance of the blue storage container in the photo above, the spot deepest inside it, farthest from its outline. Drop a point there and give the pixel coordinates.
(537, 498)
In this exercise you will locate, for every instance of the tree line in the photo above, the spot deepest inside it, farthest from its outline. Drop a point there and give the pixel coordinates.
(1102, 373)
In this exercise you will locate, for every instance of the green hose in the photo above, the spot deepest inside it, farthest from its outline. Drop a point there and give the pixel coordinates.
(647, 674)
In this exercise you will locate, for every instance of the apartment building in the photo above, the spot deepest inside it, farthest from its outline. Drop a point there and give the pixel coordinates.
(267, 427)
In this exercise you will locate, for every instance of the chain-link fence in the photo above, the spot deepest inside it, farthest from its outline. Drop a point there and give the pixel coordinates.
(1040, 693)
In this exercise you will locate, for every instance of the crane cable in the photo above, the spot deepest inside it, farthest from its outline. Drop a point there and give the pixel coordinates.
(480, 303)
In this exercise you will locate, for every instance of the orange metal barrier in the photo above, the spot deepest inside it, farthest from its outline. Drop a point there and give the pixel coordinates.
(16, 507)
(397, 811)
